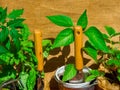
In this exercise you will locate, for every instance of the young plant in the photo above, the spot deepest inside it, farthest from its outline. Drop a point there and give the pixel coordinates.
(67, 36)
(17, 59)
(104, 49)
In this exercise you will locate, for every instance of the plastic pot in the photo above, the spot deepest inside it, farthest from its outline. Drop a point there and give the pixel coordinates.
(73, 86)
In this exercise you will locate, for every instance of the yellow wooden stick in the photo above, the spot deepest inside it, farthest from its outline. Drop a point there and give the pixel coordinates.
(38, 49)
(78, 46)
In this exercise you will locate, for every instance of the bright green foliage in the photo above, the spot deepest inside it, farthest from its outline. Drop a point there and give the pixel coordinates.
(64, 38)
(110, 30)
(23, 79)
(46, 47)
(103, 45)
(3, 34)
(93, 75)
(61, 20)
(96, 39)
(31, 79)
(3, 14)
(70, 72)
(3, 50)
(15, 13)
(17, 57)
(90, 50)
(83, 20)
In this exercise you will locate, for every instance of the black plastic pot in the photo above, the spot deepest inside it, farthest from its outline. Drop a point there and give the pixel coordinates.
(74, 86)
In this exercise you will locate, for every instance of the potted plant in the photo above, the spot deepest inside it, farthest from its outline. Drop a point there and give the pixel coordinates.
(104, 49)
(18, 63)
(72, 76)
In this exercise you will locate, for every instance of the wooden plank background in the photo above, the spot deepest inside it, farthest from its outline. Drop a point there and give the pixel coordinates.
(100, 13)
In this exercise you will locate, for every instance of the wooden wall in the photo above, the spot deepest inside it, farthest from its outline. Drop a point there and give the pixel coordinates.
(100, 13)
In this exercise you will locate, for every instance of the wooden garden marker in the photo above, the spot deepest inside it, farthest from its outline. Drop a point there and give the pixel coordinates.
(38, 49)
(78, 46)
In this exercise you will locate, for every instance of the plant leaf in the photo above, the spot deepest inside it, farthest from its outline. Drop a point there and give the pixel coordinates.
(61, 20)
(110, 30)
(3, 14)
(90, 50)
(31, 79)
(15, 23)
(15, 36)
(83, 20)
(46, 42)
(3, 50)
(7, 73)
(96, 39)
(23, 79)
(15, 13)
(70, 72)
(113, 62)
(64, 38)
(25, 32)
(3, 34)
(8, 44)
(90, 78)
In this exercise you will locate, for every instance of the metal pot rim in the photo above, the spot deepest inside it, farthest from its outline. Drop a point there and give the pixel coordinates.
(60, 71)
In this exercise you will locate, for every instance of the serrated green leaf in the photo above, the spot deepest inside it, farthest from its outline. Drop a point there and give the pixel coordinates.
(3, 34)
(64, 38)
(15, 13)
(61, 20)
(113, 62)
(90, 51)
(96, 39)
(16, 43)
(45, 54)
(90, 78)
(6, 77)
(14, 33)
(26, 43)
(7, 73)
(110, 30)
(25, 32)
(3, 15)
(15, 23)
(31, 79)
(5, 58)
(3, 50)
(94, 74)
(46, 42)
(83, 20)
(8, 44)
(70, 72)
(15, 36)
(23, 79)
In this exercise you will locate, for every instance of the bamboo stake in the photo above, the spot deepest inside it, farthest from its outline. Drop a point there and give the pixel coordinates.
(38, 49)
(78, 46)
